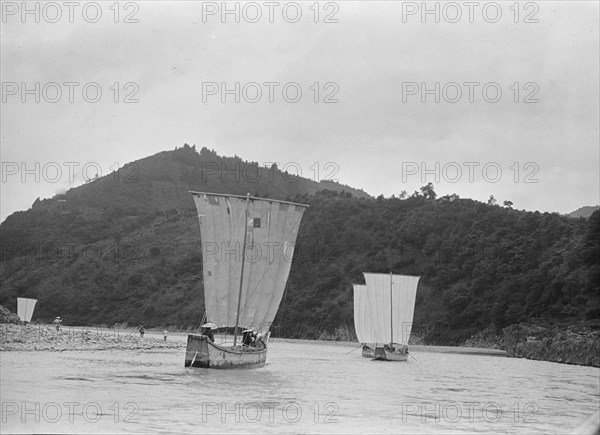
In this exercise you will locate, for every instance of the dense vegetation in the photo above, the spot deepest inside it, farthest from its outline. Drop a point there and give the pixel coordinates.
(126, 248)
(481, 264)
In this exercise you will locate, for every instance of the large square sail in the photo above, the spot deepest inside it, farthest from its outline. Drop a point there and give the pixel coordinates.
(269, 229)
(392, 304)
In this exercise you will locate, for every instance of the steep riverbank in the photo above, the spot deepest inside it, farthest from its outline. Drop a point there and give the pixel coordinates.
(553, 343)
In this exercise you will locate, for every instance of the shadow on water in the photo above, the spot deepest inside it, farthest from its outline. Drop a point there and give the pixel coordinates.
(240, 378)
(67, 378)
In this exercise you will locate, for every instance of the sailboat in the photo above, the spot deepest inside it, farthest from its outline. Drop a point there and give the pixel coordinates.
(248, 245)
(383, 315)
(25, 309)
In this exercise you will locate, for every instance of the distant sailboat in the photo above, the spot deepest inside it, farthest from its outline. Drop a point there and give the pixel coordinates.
(383, 315)
(248, 245)
(25, 308)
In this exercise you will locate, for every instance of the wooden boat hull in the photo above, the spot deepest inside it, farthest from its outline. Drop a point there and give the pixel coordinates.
(368, 351)
(201, 352)
(382, 354)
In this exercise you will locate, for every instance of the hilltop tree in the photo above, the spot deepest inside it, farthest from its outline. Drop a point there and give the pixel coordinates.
(428, 192)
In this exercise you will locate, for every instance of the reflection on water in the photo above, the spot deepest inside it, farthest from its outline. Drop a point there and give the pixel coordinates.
(305, 387)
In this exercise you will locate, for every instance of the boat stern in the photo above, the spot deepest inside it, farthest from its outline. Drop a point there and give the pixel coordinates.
(399, 353)
(368, 351)
(196, 352)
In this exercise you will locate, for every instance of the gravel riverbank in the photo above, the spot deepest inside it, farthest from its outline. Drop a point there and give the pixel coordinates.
(46, 337)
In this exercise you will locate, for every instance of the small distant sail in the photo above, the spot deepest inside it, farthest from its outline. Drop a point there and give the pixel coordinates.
(271, 228)
(362, 315)
(399, 304)
(25, 308)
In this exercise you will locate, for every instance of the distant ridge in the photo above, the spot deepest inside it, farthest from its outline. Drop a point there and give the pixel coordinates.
(584, 212)
(162, 182)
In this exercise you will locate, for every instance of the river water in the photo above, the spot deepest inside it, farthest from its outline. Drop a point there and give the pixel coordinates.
(305, 387)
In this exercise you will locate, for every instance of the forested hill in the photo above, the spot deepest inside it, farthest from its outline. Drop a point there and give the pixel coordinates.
(585, 212)
(126, 248)
(481, 265)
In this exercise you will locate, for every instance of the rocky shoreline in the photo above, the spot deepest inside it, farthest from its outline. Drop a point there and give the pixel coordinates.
(39, 337)
(487, 339)
(553, 343)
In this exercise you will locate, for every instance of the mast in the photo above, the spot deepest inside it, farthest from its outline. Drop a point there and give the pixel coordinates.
(237, 317)
(391, 313)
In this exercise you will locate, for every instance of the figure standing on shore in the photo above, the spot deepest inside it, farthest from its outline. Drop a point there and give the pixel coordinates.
(57, 322)
(141, 329)
(165, 334)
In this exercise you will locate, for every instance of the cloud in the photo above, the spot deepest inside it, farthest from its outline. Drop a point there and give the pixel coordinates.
(366, 58)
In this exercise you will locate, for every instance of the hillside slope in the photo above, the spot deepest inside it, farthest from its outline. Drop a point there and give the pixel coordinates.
(118, 251)
(481, 265)
(126, 247)
(584, 212)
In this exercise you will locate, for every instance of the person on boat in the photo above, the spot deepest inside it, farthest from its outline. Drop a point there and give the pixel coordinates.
(259, 343)
(207, 330)
(141, 330)
(247, 337)
(57, 322)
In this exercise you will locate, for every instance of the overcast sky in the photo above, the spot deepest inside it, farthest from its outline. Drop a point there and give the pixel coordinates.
(372, 62)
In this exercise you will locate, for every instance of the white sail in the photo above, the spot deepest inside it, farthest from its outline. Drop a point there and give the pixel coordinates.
(272, 227)
(25, 308)
(392, 309)
(362, 315)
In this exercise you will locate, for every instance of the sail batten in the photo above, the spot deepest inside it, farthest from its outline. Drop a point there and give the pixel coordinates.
(270, 227)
